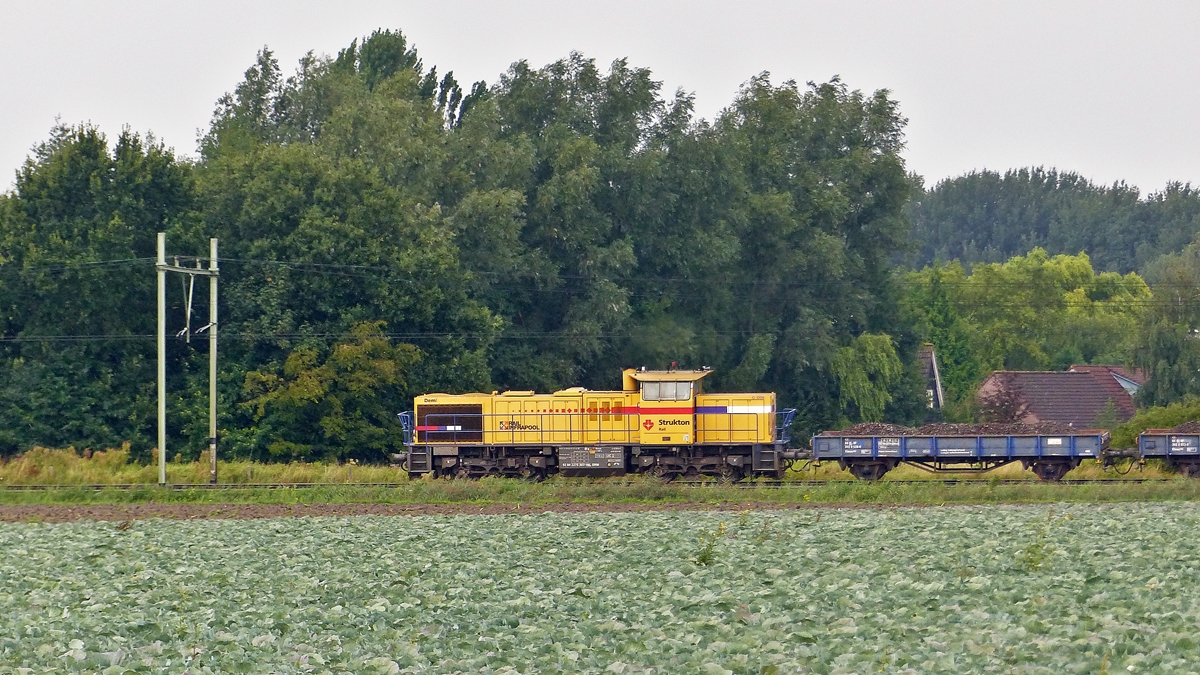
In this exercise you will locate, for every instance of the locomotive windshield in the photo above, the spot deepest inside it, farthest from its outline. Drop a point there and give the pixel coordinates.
(666, 391)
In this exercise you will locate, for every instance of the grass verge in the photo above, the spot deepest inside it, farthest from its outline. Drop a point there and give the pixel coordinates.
(45, 466)
(344, 484)
(556, 491)
(42, 466)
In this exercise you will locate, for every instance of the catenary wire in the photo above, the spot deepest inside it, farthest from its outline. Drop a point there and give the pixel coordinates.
(335, 269)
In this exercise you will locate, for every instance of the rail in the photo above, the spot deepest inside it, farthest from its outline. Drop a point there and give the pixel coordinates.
(746, 485)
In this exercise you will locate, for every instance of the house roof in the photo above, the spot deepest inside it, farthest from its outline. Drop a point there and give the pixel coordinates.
(1136, 376)
(1113, 378)
(1072, 397)
(1129, 381)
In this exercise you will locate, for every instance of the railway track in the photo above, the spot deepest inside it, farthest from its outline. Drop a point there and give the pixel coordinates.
(922, 481)
(699, 484)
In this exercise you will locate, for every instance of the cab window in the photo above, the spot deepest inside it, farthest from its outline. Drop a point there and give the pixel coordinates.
(666, 391)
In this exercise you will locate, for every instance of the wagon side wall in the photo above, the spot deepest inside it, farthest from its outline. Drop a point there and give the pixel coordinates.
(958, 448)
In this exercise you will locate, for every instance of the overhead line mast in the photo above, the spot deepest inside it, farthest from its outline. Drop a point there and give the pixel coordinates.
(213, 272)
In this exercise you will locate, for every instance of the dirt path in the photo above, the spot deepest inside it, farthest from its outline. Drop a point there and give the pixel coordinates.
(61, 513)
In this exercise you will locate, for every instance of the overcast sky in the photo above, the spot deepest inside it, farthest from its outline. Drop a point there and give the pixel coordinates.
(1108, 89)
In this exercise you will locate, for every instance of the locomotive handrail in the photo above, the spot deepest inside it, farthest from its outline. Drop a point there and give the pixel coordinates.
(406, 425)
(470, 427)
(783, 425)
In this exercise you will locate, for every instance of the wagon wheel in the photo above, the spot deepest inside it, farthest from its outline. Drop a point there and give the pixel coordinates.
(869, 471)
(1188, 469)
(1050, 471)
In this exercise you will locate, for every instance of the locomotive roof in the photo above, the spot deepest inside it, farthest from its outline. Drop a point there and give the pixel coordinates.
(669, 375)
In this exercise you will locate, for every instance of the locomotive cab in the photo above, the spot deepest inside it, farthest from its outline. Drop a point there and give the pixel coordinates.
(666, 404)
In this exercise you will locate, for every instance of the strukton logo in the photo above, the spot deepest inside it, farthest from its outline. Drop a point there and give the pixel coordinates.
(649, 424)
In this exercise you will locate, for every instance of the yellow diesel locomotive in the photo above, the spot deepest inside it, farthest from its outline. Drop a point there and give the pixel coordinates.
(661, 422)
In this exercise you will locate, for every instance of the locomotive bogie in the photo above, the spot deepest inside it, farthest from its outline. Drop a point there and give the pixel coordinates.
(722, 462)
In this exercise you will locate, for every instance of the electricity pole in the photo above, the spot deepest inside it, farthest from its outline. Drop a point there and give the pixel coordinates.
(212, 273)
(162, 358)
(212, 360)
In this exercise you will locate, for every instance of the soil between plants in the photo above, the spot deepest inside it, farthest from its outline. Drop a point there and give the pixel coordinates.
(63, 513)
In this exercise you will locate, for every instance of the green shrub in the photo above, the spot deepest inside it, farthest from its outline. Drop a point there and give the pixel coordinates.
(1157, 417)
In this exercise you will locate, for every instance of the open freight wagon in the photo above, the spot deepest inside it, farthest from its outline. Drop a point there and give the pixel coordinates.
(869, 457)
(1178, 447)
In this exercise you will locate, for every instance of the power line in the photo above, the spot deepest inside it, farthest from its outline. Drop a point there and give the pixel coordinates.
(58, 267)
(1057, 302)
(413, 335)
(75, 338)
(333, 268)
(543, 335)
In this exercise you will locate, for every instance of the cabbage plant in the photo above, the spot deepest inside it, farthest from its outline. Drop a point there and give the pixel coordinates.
(926, 590)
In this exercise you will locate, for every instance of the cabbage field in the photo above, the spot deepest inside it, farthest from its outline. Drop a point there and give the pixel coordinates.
(1073, 589)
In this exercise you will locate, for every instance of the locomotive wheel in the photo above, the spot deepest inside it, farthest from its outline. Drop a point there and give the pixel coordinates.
(448, 472)
(730, 474)
(665, 474)
(533, 474)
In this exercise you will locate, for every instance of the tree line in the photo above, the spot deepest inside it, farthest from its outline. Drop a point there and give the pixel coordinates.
(986, 216)
(972, 233)
(387, 231)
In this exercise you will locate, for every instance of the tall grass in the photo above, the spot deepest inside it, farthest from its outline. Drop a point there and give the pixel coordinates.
(43, 466)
